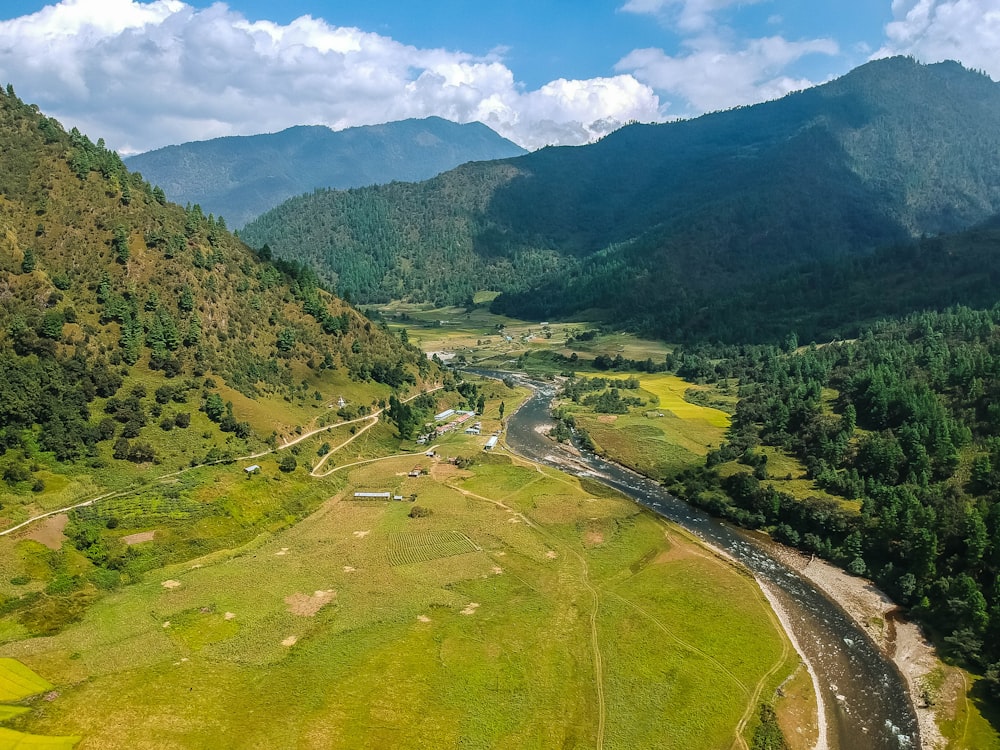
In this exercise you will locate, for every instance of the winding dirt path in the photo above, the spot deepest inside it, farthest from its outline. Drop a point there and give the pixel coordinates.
(287, 444)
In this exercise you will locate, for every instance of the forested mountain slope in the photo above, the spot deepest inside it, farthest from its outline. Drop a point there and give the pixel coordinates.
(241, 177)
(105, 283)
(655, 221)
(835, 298)
(903, 425)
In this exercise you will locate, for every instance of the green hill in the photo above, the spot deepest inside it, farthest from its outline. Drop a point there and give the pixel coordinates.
(656, 222)
(241, 177)
(137, 334)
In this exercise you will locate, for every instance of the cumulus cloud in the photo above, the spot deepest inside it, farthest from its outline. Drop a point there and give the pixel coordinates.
(935, 30)
(143, 75)
(715, 69)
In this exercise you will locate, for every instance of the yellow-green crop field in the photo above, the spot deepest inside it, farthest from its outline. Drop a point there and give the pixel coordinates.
(526, 611)
(668, 435)
(18, 683)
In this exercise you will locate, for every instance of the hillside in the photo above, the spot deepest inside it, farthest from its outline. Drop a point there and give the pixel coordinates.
(657, 221)
(835, 298)
(898, 434)
(137, 334)
(241, 177)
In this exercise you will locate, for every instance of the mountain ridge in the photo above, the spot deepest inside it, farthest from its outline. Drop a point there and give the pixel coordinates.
(653, 214)
(240, 177)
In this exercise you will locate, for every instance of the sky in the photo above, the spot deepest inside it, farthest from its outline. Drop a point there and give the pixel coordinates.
(143, 75)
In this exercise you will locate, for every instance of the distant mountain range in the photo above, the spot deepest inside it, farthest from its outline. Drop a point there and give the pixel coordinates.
(654, 224)
(241, 177)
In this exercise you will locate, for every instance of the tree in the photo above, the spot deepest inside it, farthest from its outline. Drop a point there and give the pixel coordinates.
(52, 325)
(186, 300)
(29, 261)
(119, 245)
(402, 415)
(503, 408)
(215, 408)
(288, 464)
(286, 339)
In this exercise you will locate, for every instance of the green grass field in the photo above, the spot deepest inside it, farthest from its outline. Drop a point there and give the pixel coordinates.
(664, 437)
(360, 627)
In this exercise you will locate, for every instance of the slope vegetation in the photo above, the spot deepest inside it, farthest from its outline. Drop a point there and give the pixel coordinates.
(135, 332)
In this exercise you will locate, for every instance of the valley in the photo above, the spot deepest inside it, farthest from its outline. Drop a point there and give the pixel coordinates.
(533, 453)
(395, 642)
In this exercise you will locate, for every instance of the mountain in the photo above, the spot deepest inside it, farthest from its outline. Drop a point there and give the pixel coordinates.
(134, 332)
(837, 297)
(241, 177)
(655, 222)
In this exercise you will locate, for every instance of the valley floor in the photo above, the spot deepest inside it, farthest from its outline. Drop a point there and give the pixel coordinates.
(524, 610)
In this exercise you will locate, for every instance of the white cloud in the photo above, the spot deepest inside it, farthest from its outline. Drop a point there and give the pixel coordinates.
(935, 30)
(143, 75)
(714, 74)
(687, 15)
(716, 67)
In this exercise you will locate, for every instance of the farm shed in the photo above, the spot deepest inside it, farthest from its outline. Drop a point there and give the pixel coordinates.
(491, 443)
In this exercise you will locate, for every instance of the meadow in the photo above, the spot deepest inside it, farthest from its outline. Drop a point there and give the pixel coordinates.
(526, 610)
(666, 436)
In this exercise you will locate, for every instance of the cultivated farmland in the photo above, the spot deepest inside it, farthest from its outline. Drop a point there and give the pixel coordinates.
(526, 610)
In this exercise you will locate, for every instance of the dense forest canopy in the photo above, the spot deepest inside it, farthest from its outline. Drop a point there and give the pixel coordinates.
(903, 425)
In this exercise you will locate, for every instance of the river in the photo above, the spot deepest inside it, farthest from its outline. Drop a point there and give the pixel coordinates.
(866, 701)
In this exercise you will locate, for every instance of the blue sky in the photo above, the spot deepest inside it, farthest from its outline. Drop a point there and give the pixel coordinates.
(145, 74)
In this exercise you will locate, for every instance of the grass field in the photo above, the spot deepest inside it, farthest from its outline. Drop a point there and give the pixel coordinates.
(17, 683)
(666, 436)
(360, 627)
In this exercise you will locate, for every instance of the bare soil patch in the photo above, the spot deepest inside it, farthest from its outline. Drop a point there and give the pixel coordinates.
(593, 538)
(470, 608)
(442, 471)
(49, 531)
(423, 618)
(362, 534)
(139, 538)
(607, 418)
(305, 605)
(171, 584)
(290, 640)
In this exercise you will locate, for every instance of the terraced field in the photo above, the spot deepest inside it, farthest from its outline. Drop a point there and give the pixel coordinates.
(406, 548)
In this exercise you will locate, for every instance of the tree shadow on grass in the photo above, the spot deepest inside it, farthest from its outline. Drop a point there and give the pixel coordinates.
(986, 703)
